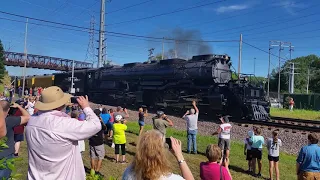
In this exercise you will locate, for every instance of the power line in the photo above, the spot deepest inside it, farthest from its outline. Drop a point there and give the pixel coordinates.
(167, 13)
(127, 7)
(110, 32)
(262, 50)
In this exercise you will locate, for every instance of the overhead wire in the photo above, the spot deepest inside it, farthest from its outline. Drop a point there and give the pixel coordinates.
(166, 13)
(130, 6)
(81, 28)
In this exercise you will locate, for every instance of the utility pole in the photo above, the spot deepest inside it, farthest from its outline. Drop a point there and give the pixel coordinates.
(308, 80)
(240, 56)
(279, 71)
(291, 79)
(254, 66)
(162, 55)
(175, 49)
(101, 33)
(269, 70)
(281, 45)
(25, 56)
(72, 90)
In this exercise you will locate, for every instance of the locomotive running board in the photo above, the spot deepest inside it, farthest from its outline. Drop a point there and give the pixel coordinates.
(259, 113)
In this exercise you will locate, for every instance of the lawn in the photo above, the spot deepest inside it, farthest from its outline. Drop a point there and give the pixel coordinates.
(237, 159)
(296, 113)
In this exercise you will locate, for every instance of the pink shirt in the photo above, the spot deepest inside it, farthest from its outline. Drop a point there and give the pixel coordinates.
(211, 171)
(52, 139)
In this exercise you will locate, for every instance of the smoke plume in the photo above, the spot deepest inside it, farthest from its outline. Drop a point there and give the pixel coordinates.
(182, 48)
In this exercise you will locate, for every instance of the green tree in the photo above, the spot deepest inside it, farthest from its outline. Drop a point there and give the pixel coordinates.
(302, 64)
(2, 59)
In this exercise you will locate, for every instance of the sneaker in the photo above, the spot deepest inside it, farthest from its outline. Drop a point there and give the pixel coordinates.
(194, 153)
(113, 145)
(16, 154)
(259, 175)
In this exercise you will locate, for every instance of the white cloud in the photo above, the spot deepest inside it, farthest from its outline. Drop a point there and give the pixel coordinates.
(231, 8)
(290, 6)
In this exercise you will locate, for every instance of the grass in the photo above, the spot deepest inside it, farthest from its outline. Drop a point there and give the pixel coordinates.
(237, 159)
(296, 113)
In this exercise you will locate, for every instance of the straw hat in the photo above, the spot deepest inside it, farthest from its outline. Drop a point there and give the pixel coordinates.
(52, 98)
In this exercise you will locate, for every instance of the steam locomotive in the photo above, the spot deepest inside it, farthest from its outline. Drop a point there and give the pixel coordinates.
(174, 84)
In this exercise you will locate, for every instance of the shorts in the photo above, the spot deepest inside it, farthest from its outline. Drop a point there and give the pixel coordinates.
(275, 159)
(256, 153)
(109, 127)
(224, 144)
(249, 155)
(97, 152)
(18, 137)
(141, 123)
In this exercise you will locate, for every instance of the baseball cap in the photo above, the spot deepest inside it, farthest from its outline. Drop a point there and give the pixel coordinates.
(226, 119)
(118, 118)
(250, 133)
(160, 113)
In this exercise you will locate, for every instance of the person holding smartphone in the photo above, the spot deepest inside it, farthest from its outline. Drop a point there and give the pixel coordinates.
(151, 160)
(53, 137)
(161, 122)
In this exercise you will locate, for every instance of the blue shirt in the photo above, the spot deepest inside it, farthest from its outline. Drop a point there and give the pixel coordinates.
(309, 158)
(105, 118)
(257, 141)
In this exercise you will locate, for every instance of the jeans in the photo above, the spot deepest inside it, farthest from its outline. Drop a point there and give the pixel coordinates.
(192, 139)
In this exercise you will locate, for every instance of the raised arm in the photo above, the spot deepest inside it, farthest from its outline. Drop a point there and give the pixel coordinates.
(126, 113)
(177, 152)
(3, 129)
(80, 130)
(25, 115)
(170, 123)
(185, 114)
(195, 106)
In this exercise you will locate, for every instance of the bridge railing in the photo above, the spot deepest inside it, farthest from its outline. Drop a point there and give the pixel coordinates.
(43, 62)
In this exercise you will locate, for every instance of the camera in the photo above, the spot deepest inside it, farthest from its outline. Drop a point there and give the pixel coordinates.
(74, 100)
(168, 141)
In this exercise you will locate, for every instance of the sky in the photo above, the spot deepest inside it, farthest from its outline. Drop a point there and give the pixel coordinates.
(259, 21)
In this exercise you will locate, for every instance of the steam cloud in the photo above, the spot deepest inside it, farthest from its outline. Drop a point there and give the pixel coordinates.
(185, 49)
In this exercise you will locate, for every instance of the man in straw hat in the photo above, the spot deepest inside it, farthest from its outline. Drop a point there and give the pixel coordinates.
(53, 136)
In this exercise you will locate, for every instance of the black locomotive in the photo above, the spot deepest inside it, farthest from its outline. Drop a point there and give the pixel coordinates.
(172, 83)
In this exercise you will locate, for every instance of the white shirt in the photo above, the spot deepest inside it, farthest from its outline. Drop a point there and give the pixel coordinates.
(53, 150)
(225, 131)
(129, 175)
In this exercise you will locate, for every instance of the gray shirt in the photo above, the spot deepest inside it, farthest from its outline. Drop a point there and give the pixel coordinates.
(11, 122)
(192, 121)
(274, 148)
(160, 125)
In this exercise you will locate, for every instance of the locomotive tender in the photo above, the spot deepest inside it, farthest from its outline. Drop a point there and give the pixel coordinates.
(172, 83)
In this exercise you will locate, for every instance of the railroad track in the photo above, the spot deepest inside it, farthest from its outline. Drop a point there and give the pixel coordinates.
(288, 123)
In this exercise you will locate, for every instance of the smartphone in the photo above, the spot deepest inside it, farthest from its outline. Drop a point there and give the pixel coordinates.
(74, 100)
(168, 141)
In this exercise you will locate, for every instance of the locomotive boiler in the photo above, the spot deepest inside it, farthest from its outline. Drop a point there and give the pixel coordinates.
(174, 84)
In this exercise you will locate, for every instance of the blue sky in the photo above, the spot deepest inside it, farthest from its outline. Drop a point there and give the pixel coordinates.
(259, 21)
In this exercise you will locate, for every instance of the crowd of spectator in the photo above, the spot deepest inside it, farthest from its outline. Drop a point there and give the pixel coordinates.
(56, 129)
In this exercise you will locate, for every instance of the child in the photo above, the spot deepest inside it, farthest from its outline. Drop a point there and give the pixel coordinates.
(247, 151)
(273, 146)
(119, 138)
(97, 150)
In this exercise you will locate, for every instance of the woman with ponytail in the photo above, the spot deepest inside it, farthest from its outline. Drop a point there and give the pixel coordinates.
(273, 145)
